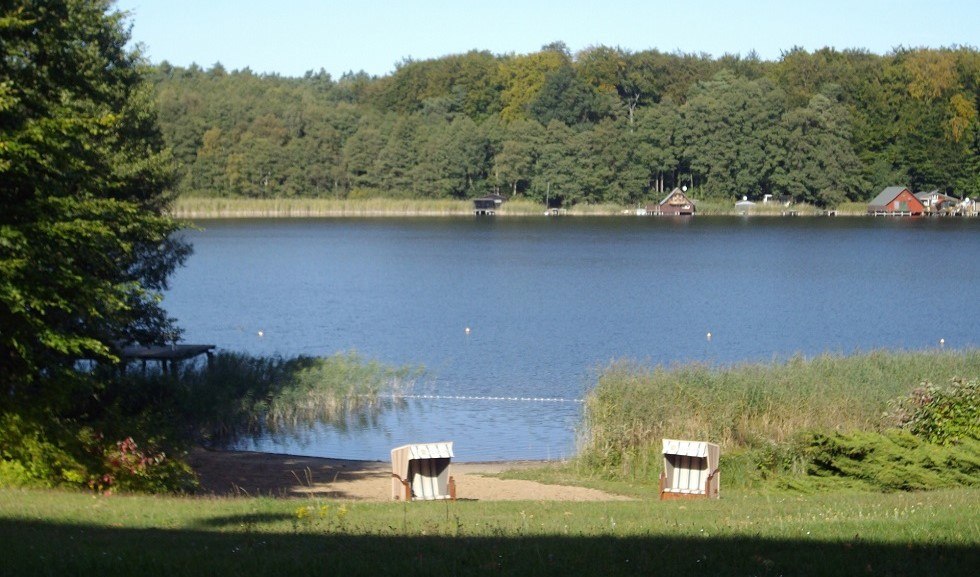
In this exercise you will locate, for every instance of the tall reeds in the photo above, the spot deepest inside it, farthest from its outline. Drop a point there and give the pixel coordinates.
(210, 207)
(750, 406)
(238, 395)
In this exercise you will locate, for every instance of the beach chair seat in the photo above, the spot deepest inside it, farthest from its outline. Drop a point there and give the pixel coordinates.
(422, 471)
(690, 470)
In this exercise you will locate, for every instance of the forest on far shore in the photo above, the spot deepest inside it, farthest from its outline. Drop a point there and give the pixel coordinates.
(603, 125)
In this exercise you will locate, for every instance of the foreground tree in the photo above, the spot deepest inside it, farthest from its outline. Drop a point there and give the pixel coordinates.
(86, 245)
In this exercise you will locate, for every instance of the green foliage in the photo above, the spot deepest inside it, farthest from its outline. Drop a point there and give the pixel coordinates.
(730, 129)
(134, 434)
(567, 98)
(75, 455)
(823, 127)
(86, 245)
(33, 455)
(941, 414)
(892, 461)
(750, 407)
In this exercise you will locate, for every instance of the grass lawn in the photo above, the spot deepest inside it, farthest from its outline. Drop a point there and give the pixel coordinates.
(845, 533)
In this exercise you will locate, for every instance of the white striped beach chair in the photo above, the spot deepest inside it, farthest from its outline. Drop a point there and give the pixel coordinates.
(690, 470)
(421, 471)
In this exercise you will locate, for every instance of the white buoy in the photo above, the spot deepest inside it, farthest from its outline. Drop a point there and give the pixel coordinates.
(942, 342)
(467, 330)
(261, 334)
(709, 336)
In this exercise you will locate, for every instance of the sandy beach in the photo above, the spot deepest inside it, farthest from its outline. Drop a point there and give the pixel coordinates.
(243, 473)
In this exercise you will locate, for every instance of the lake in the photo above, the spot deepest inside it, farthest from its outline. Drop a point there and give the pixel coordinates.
(512, 318)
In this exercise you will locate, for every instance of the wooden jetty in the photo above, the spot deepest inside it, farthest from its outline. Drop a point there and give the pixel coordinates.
(169, 356)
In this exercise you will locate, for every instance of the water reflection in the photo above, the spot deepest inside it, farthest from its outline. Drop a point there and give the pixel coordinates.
(485, 430)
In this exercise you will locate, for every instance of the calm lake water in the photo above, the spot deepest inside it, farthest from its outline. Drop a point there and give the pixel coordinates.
(550, 301)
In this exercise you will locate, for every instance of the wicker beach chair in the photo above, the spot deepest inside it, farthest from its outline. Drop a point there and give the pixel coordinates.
(690, 470)
(421, 471)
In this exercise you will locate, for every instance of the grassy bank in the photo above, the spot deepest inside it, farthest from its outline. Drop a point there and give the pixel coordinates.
(760, 407)
(59, 533)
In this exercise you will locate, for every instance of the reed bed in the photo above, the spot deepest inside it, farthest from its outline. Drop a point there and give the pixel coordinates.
(727, 208)
(750, 406)
(852, 208)
(373, 206)
(207, 207)
(214, 207)
(239, 395)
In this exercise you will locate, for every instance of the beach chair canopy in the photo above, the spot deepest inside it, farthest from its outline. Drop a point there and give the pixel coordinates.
(421, 471)
(690, 469)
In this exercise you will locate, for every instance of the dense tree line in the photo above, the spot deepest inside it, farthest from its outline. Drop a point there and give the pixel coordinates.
(603, 125)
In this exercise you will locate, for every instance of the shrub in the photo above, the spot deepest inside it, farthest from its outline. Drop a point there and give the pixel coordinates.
(125, 466)
(893, 460)
(50, 453)
(941, 415)
(33, 455)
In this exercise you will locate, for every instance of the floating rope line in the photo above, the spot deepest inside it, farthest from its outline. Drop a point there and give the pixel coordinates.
(476, 398)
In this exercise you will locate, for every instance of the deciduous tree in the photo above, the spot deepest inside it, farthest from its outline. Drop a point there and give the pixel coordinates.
(86, 246)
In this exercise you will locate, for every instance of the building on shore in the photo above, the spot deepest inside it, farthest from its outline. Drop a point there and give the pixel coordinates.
(675, 203)
(936, 202)
(896, 201)
(488, 204)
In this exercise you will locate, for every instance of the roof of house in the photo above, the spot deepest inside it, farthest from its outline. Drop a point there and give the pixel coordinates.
(926, 195)
(672, 193)
(887, 195)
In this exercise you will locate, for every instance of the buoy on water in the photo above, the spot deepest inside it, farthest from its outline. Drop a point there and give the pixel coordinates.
(709, 336)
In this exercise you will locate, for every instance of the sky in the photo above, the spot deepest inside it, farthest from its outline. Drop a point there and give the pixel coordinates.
(290, 37)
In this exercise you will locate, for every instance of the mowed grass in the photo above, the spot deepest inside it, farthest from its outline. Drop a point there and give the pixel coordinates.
(838, 533)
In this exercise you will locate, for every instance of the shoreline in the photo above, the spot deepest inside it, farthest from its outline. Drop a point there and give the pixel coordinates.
(244, 208)
(288, 214)
(251, 474)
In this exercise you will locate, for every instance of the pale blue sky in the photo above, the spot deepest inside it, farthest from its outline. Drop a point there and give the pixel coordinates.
(290, 37)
